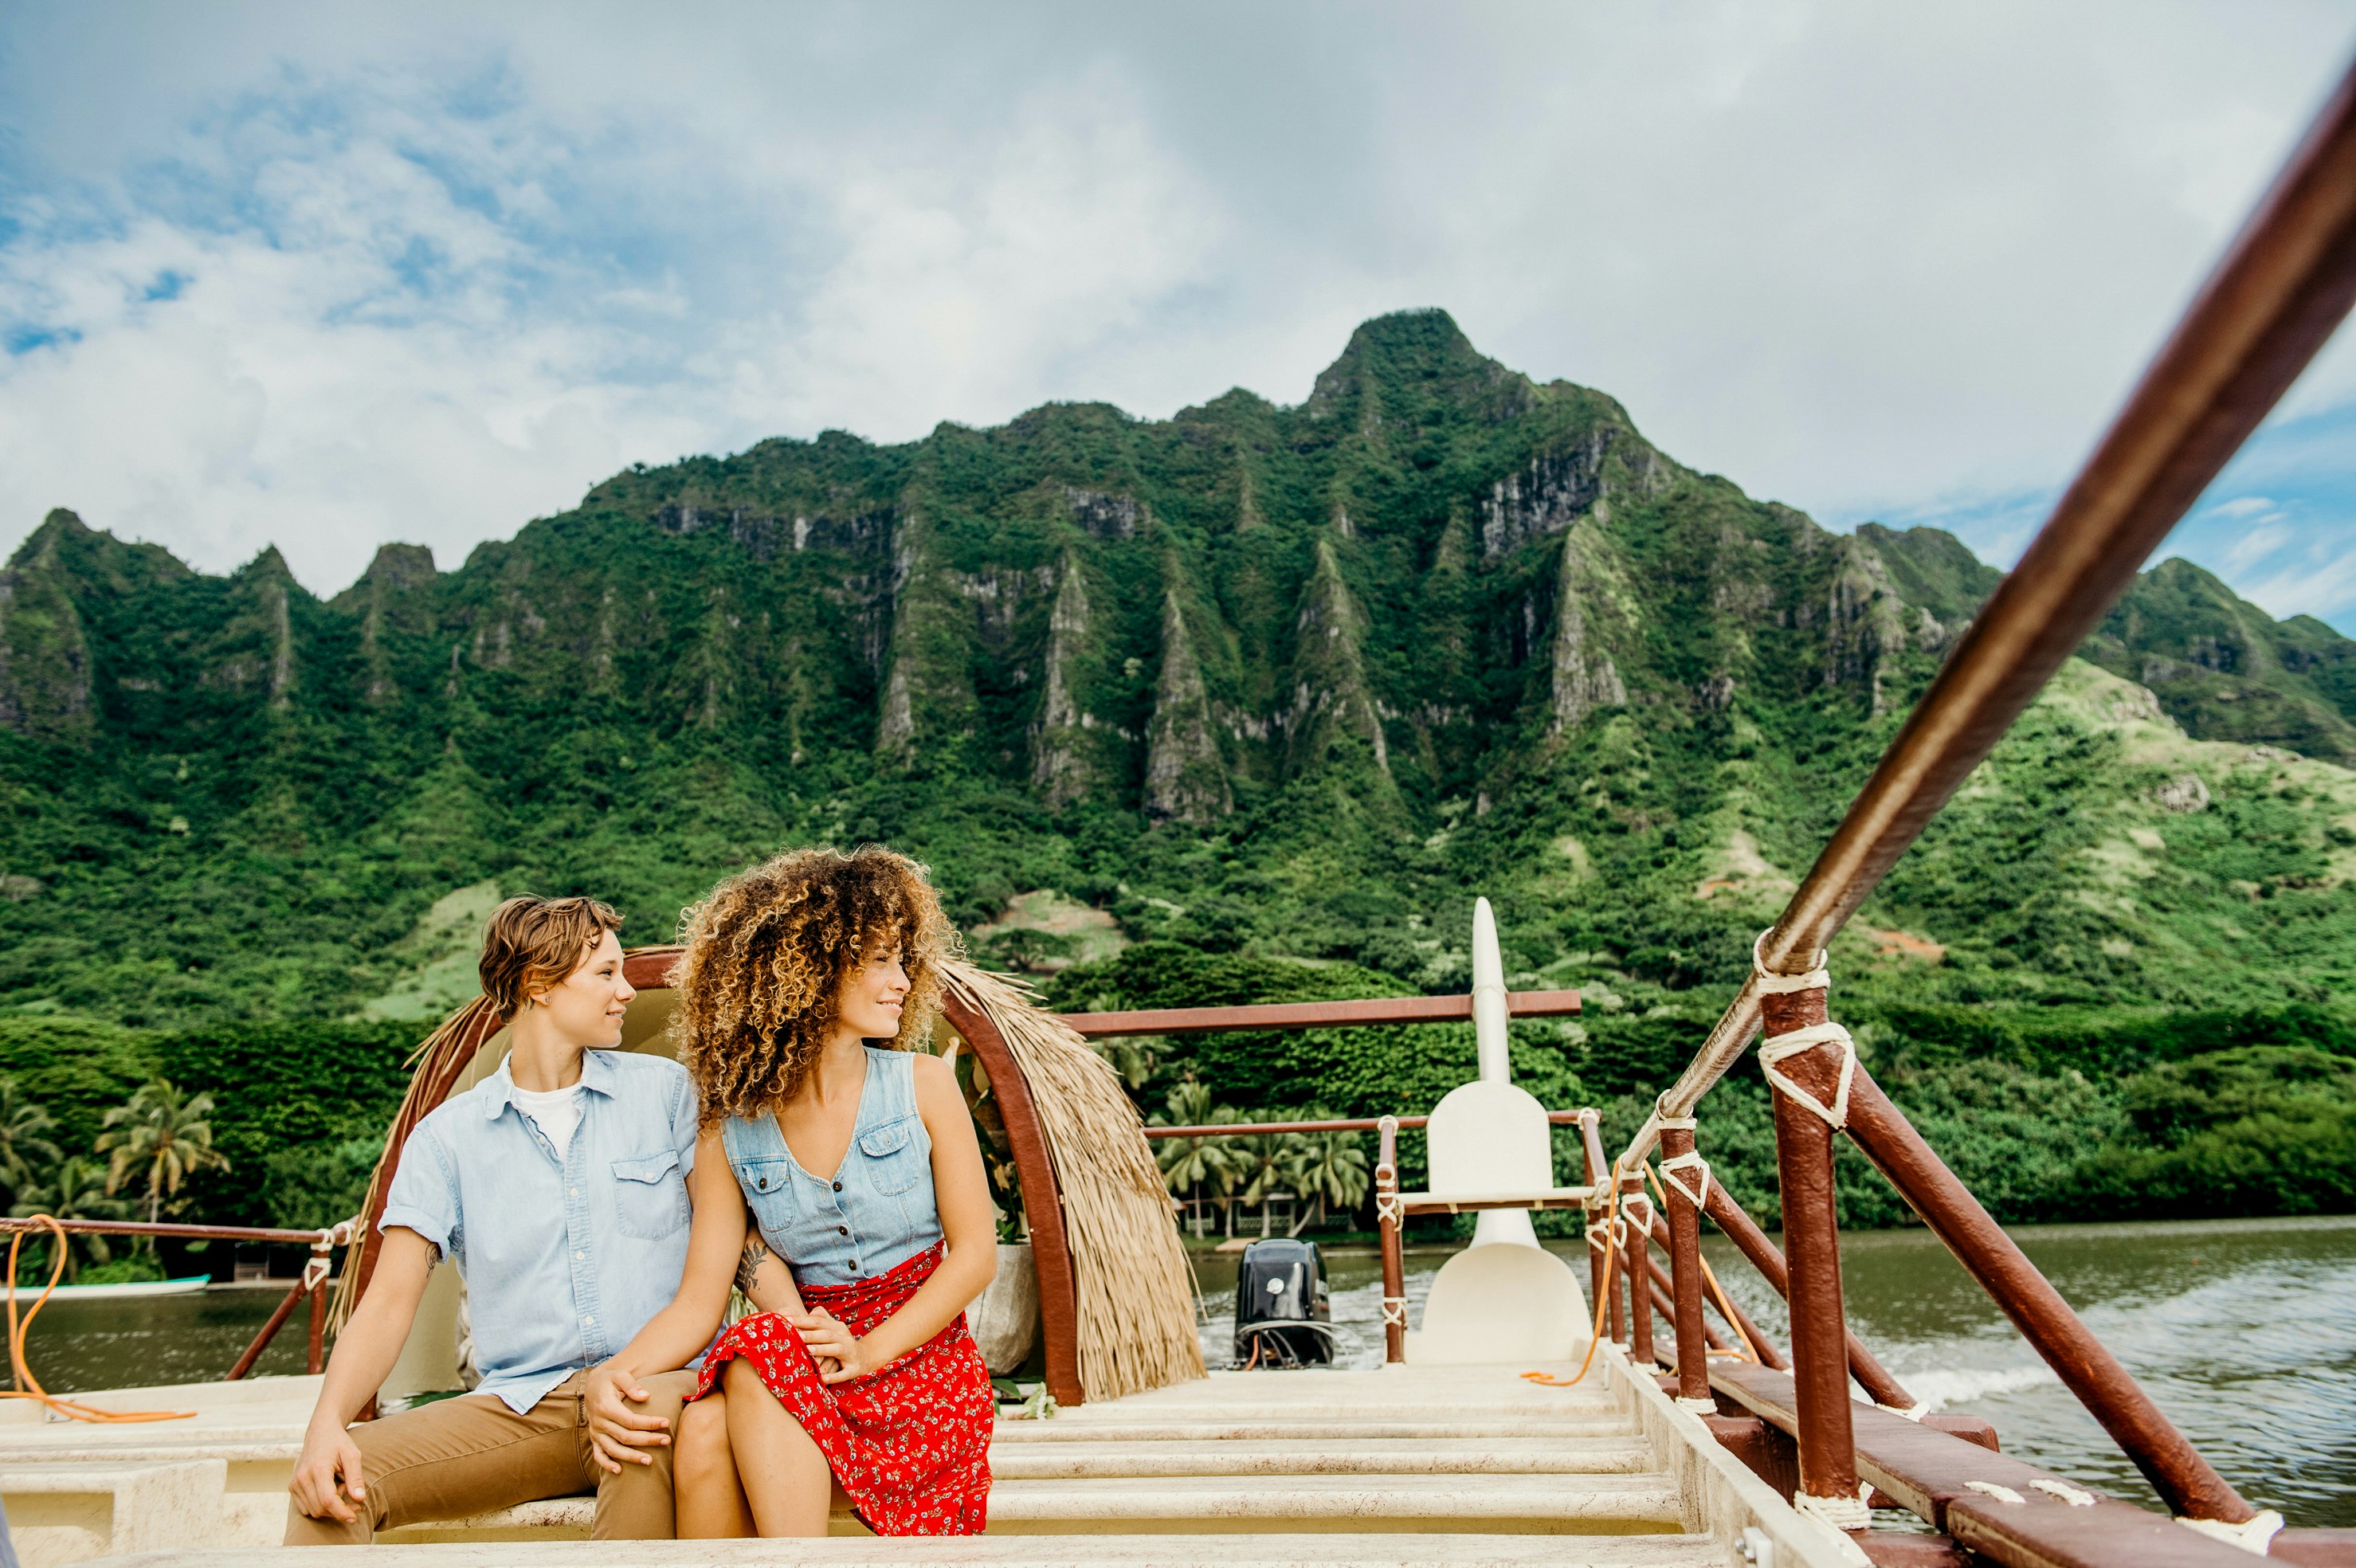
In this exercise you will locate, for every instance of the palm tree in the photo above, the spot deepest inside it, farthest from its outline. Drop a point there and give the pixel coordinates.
(1189, 1164)
(23, 1149)
(1133, 1056)
(1328, 1167)
(164, 1135)
(1264, 1158)
(74, 1187)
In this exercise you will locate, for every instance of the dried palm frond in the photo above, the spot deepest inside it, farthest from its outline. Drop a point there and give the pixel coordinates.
(435, 1066)
(1135, 1288)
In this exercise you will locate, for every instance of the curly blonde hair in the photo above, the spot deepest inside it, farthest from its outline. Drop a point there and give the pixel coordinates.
(761, 979)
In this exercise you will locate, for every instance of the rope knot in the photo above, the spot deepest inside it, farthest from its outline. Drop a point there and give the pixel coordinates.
(1691, 1160)
(1779, 1048)
(1767, 983)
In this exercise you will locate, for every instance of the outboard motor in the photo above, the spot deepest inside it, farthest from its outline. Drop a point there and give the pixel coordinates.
(1283, 1316)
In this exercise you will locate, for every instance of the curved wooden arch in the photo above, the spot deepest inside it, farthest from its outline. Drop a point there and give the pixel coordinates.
(1043, 1198)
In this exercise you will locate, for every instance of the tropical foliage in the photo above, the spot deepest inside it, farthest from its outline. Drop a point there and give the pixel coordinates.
(1255, 1170)
(1263, 696)
(158, 1140)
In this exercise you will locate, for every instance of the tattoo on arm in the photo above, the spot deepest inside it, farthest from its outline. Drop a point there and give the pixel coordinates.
(750, 1263)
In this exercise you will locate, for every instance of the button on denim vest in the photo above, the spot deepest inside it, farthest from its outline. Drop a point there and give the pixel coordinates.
(875, 1213)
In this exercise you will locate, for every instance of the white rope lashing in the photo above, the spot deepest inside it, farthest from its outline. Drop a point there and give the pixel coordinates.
(1697, 1406)
(2076, 1496)
(1395, 1311)
(2252, 1535)
(1390, 1209)
(1843, 1513)
(1690, 1160)
(1779, 1048)
(1644, 1223)
(1996, 1489)
(1767, 983)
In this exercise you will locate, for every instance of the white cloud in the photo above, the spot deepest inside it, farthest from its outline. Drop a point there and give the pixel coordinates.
(2316, 584)
(447, 267)
(354, 355)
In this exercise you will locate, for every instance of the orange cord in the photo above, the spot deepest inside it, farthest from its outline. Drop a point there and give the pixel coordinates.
(30, 1387)
(1603, 1300)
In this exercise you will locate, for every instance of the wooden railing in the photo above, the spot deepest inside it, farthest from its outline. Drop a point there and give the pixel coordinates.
(2282, 289)
(312, 1284)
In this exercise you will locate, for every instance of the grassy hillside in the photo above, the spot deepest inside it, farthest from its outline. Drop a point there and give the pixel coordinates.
(1278, 687)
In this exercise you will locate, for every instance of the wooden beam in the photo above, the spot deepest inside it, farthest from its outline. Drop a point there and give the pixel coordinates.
(1931, 1473)
(1314, 1014)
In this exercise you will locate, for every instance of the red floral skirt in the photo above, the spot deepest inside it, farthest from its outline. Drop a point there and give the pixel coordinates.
(910, 1443)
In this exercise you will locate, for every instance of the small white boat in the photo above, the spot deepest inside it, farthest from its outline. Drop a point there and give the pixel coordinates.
(27, 1294)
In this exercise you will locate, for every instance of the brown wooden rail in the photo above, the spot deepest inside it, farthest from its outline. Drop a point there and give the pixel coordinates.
(335, 1235)
(1336, 1124)
(312, 1284)
(2281, 290)
(1314, 1014)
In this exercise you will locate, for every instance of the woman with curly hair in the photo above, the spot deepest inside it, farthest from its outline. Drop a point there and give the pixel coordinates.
(806, 991)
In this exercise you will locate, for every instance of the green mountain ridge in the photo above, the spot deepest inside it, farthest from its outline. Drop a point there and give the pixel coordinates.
(1287, 682)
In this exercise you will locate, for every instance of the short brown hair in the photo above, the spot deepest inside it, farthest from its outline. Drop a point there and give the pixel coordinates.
(535, 942)
(761, 980)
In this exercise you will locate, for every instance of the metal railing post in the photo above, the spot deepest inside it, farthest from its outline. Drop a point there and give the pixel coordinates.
(1389, 1220)
(1685, 1287)
(1634, 1240)
(1803, 1164)
(1603, 1294)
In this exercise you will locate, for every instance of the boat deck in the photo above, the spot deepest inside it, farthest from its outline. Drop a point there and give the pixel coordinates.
(1458, 1465)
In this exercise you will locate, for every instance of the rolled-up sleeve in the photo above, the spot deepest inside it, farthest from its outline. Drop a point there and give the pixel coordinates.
(424, 1195)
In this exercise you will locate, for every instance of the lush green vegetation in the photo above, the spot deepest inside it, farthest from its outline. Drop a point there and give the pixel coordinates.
(297, 1112)
(1268, 694)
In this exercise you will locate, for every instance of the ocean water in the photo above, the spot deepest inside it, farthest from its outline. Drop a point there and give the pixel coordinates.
(2243, 1331)
(78, 1345)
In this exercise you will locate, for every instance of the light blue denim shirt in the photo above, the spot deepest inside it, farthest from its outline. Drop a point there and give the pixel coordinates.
(875, 1212)
(564, 1261)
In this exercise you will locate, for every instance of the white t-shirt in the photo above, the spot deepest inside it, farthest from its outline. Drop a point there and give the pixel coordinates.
(557, 1110)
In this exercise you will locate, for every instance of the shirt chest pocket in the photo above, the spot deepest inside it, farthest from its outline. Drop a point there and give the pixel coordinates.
(895, 1162)
(650, 1195)
(769, 1187)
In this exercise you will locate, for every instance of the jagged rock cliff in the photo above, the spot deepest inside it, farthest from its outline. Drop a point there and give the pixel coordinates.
(1057, 652)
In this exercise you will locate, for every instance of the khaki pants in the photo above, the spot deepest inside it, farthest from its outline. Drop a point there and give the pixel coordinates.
(458, 1457)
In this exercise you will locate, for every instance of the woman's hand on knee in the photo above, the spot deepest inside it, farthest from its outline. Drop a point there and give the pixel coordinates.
(327, 1456)
(619, 1435)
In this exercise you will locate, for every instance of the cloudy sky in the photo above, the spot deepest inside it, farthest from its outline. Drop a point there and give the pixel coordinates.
(325, 276)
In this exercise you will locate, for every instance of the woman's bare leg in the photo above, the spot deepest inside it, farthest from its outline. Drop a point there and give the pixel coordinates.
(710, 1503)
(784, 1476)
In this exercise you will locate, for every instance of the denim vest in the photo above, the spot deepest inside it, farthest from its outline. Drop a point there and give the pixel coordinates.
(877, 1211)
